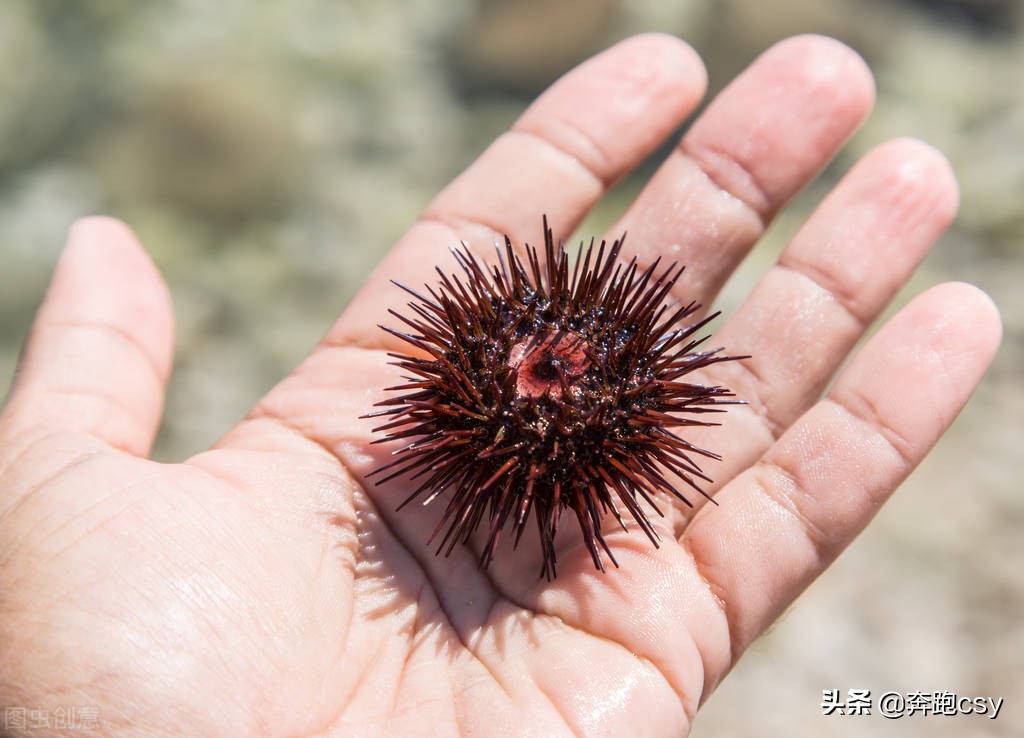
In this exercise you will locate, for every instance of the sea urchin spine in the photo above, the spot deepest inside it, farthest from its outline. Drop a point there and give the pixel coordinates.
(538, 388)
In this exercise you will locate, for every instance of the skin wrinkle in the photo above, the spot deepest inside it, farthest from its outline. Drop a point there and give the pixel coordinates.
(377, 342)
(40, 333)
(108, 519)
(262, 411)
(569, 724)
(821, 280)
(111, 399)
(720, 603)
(461, 691)
(681, 213)
(533, 618)
(942, 356)
(760, 203)
(348, 700)
(42, 440)
(50, 479)
(572, 721)
(411, 644)
(756, 202)
(585, 164)
(251, 427)
(816, 70)
(743, 378)
(855, 405)
(161, 370)
(464, 642)
(410, 709)
(459, 728)
(739, 643)
(454, 224)
(447, 215)
(783, 495)
(359, 685)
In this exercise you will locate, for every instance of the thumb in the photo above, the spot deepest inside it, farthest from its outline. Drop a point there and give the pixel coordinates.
(99, 353)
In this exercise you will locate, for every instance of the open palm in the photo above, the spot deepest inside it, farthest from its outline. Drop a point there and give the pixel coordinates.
(265, 588)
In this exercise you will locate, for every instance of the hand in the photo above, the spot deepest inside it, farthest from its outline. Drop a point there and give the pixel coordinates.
(265, 588)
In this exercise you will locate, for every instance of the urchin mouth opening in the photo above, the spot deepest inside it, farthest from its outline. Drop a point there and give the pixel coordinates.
(550, 362)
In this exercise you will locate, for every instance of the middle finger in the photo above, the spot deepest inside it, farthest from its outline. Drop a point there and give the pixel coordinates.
(761, 140)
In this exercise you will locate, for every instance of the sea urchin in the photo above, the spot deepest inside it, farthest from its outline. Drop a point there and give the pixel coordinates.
(540, 387)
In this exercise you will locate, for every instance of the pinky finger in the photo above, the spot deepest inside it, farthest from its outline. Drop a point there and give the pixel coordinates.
(784, 520)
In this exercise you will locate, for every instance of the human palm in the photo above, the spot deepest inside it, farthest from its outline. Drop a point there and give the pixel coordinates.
(264, 587)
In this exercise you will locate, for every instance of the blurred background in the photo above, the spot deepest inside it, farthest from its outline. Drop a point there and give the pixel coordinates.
(267, 154)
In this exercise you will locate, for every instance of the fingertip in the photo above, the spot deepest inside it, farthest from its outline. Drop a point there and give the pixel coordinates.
(926, 362)
(97, 239)
(616, 107)
(825, 62)
(965, 321)
(644, 74)
(911, 164)
(671, 56)
(105, 240)
(87, 228)
(104, 275)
